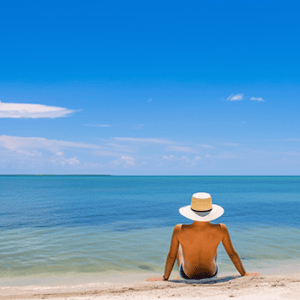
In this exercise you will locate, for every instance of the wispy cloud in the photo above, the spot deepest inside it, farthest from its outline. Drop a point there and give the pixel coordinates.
(236, 97)
(16, 142)
(34, 111)
(150, 100)
(35, 151)
(144, 140)
(257, 99)
(180, 149)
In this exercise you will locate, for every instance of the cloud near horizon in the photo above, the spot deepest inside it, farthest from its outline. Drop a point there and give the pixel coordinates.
(33, 151)
(34, 111)
(16, 142)
(123, 161)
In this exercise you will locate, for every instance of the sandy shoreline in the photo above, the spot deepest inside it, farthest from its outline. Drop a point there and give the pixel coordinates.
(273, 287)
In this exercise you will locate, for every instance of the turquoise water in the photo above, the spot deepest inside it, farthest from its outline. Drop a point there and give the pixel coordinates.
(53, 225)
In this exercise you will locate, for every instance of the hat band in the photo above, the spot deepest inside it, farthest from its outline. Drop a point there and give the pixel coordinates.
(201, 210)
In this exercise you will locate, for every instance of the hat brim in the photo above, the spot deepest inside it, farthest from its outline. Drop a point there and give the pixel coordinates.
(216, 212)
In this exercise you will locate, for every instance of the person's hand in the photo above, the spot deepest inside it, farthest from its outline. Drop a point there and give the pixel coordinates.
(252, 274)
(158, 278)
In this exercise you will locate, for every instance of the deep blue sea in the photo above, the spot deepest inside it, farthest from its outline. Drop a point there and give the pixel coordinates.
(60, 225)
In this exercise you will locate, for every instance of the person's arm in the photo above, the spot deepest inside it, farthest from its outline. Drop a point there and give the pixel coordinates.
(171, 257)
(226, 241)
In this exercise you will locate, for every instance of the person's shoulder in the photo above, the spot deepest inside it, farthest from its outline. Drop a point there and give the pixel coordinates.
(222, 227)
(178, 227)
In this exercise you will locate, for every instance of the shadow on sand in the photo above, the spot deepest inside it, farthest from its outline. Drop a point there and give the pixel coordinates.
(206, 280)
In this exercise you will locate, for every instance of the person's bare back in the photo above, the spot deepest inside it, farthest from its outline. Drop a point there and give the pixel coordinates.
(199, 242)
(195, 245)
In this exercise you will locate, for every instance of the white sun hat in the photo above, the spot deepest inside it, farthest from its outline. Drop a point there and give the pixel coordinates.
(202, 209)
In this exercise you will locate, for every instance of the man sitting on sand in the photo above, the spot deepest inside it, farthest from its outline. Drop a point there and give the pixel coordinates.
(195, 246)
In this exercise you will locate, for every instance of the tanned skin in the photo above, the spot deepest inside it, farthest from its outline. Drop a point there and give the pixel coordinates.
(195, 247)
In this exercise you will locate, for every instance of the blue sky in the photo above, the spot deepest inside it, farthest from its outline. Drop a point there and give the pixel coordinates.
(150, 87)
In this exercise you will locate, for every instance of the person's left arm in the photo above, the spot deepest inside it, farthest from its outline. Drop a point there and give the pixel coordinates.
(171, 257)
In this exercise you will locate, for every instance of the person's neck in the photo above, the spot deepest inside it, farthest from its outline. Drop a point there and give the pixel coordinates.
(201, 224)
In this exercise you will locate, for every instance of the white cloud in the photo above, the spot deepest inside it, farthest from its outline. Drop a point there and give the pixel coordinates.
(24, 110)
(197, 158)
(257, 99)
(60, 159)
(128, 160)
(150, 100)
(180, 149)
(147, 140)
(71, 161)
(124, 161)
(236, 97)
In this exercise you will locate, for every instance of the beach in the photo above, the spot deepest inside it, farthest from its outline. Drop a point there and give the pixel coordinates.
(266, 287)
(93, 237)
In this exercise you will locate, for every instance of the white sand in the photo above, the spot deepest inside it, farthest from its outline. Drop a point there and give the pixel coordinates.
(266, 287)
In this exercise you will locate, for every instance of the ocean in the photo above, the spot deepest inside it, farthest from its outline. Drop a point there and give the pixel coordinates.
(110, 225)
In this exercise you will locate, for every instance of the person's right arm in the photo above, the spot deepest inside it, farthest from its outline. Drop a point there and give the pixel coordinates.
(171, 257)
(226, 241)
